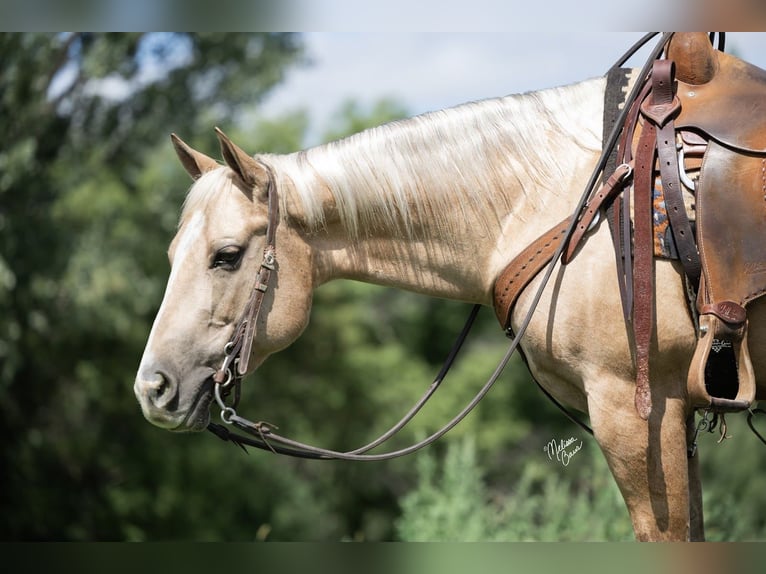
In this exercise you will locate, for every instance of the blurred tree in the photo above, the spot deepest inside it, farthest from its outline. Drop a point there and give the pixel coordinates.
(352, 117)
(86, 212)
(90, 193)
(89, 198)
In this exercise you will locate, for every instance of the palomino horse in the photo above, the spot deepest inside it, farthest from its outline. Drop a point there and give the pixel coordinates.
(437, 204)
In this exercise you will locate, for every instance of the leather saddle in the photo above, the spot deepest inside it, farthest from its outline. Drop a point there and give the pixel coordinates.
(715, 105)
(723, 99)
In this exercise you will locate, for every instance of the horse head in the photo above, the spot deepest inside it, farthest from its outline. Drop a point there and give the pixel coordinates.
(215, 257)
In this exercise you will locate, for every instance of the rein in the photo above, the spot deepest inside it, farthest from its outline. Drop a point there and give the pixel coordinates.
(237, 351)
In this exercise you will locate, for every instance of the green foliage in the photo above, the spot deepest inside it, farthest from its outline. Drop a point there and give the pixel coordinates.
(453, 506)
(352, 118)
(734, 483)
(89, 199)
(452, 501)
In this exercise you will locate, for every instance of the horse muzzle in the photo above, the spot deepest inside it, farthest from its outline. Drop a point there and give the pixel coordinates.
(162, 401)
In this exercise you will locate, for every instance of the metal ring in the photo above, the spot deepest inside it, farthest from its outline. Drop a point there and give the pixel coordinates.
(226, 415)
(595, 220)
(229, 379)
(627, 173)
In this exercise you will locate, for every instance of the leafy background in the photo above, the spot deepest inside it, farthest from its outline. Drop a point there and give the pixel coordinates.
(89, 196)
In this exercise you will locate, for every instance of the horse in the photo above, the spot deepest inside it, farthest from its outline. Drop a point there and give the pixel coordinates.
(437, 204)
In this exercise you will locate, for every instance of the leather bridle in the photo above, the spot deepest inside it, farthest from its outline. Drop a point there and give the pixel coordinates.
(237, 351)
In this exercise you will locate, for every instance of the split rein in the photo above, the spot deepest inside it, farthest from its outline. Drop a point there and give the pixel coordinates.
(262, 435)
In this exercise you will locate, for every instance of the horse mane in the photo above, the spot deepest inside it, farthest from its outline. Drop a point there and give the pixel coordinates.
(430, 165)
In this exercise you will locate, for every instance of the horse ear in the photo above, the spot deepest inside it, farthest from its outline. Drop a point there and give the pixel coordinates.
(244, 165)
(194, 162)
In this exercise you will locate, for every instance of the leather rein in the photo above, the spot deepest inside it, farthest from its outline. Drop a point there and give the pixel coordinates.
(237, 351)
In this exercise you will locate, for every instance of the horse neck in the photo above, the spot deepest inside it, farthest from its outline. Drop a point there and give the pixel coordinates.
(436, 204)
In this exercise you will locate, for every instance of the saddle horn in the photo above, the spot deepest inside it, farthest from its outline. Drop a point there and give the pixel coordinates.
(695, 57)
(194, 162)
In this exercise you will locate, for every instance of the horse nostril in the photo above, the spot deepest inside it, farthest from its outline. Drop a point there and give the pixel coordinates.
(162, 385)
(158, 389)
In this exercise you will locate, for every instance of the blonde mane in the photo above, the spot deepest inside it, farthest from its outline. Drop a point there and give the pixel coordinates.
(460, 158)
(463, 158)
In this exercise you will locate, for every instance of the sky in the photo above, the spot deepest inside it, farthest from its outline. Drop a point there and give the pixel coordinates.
(426, 71)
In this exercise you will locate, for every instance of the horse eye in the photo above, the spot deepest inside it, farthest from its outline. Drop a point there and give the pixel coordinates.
(227, 258)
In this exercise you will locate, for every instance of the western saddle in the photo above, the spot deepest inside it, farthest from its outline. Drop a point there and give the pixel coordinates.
(694, 142)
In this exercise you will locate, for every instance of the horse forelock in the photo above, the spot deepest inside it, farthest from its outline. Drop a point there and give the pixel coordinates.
(461, 158)
(204, 189)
